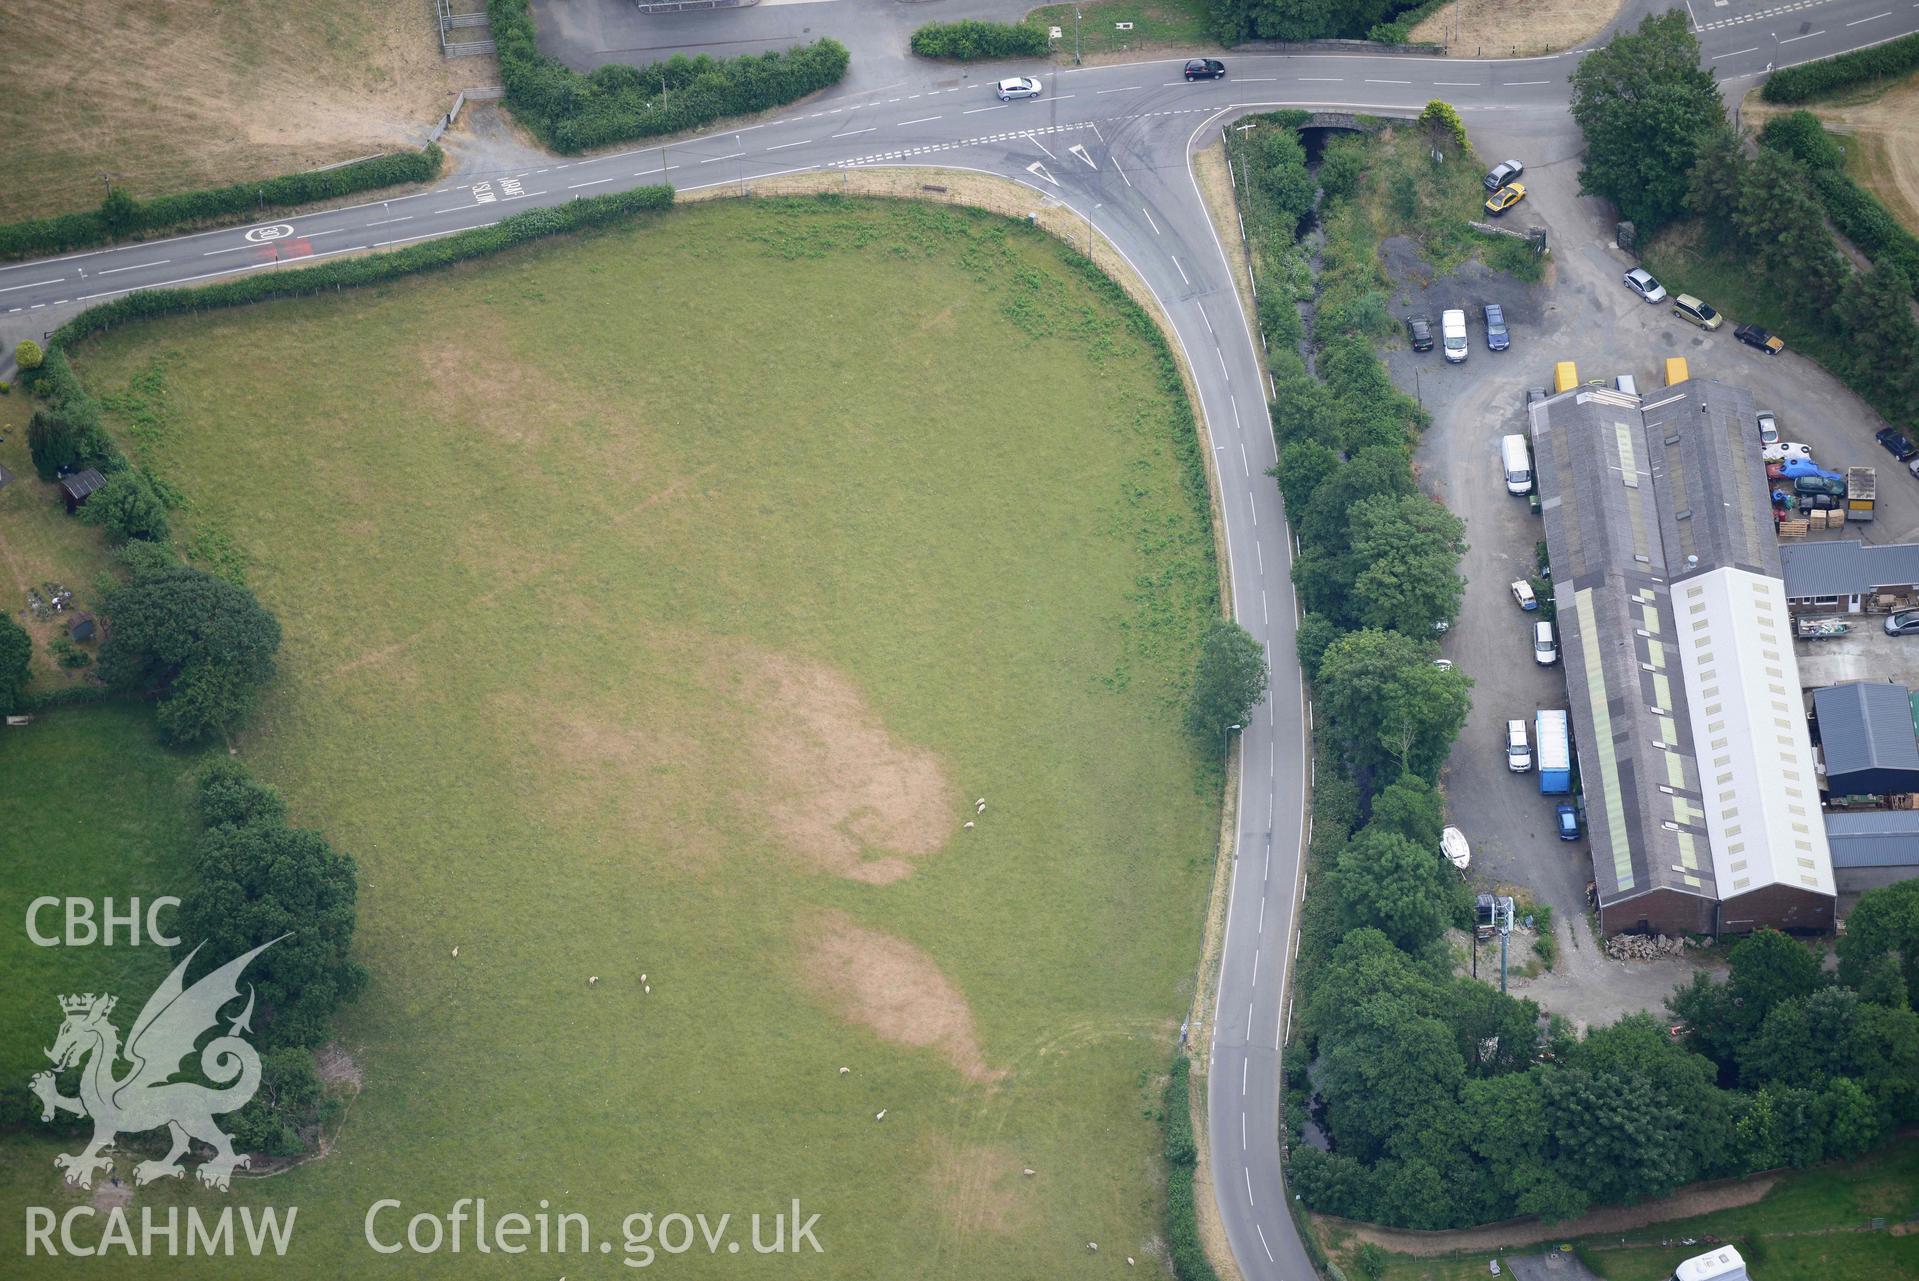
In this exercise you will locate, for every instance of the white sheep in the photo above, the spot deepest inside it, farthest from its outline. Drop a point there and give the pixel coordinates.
(881, 1116)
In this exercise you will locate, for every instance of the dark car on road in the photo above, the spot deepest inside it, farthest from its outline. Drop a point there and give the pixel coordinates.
(1205, 69)
(1497, 339)
(1566, 819)
(1420, 330)
(1754, 336)
(1819, 485)
(1896, 443)
(1502, 173)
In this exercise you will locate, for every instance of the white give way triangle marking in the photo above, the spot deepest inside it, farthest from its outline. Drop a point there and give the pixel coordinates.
(1037, 168)
(1080, 151)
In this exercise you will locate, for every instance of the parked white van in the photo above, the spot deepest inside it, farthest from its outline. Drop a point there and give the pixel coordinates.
(1452, 334)
(1519, 752)
(1517, 463)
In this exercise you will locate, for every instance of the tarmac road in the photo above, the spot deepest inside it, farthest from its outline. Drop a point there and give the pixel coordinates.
(1114, 144)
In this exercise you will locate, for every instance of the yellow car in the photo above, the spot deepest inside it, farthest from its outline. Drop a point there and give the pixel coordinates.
(1505, 198)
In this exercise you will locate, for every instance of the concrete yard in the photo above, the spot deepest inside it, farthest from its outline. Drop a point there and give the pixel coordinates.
(1583, 313)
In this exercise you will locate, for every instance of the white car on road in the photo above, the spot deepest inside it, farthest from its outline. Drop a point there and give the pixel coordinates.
(1018, 87)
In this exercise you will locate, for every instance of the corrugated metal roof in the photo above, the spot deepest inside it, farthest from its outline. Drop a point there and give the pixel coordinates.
(1847, 567)
(1644, 502)
(80, 484)
(1866, 725)
(1874, 838)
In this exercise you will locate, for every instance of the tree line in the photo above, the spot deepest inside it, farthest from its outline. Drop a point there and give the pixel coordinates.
(1659, 147)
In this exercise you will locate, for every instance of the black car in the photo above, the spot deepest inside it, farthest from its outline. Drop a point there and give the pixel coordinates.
(1754, 336)
(1897, 444)
(1497, 339)
(1205, 69)
(1420, 330)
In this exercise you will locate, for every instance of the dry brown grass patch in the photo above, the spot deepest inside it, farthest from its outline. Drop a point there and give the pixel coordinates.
(1515, 28)
(834, 783)
(172, 95)
(891, 988)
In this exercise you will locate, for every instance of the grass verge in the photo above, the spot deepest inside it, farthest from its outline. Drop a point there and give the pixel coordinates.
(1155, 24)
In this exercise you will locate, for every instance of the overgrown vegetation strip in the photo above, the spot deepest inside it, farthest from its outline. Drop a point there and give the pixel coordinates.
(570, 112)
(121, 217)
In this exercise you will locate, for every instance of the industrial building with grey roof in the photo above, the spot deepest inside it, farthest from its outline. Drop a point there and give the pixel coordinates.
(1694, 756)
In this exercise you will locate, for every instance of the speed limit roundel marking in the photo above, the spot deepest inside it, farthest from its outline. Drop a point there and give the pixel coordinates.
(278, 231)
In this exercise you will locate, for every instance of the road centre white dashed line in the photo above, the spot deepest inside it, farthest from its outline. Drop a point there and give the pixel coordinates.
(575, 186)
(32, 284)
(135, 267)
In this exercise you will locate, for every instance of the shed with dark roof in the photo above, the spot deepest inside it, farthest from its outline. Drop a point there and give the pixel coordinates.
(79, 486)
(1868, 740)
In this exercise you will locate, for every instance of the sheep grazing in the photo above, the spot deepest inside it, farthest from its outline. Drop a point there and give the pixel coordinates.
(1093, 1246)
(1028, 1173)
(642, 978)
(456, 952)
(648, 987)
(967, 826)
(979, 806)
(845, 1070)
(881, 1115)
(592, 979)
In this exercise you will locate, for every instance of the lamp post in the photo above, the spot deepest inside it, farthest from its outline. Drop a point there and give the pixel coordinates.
(1224, 742)
(1076, 18)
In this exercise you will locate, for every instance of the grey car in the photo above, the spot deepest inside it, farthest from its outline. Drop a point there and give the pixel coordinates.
(1502, 173)
(1903, 623)
(1640, 281)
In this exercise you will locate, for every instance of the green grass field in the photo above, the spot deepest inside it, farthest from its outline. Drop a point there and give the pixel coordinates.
(659, 604)
(94, 805)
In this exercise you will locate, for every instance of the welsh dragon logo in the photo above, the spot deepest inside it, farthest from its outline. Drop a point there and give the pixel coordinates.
(146, 1097)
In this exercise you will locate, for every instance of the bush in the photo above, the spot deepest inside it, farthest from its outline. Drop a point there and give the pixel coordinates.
(1372, 1261)
(970, 41)
(129, 508)
(28, 354)
(121, 215)
(1443, 121)
(1400, 29)
(1799, 133)
(1817, 79)
(1856, 212)
(571, 112)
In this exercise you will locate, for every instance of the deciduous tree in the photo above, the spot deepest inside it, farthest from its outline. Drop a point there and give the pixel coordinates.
(1381, 699)
(1230, 680)
(200, 645)
(1644, 103)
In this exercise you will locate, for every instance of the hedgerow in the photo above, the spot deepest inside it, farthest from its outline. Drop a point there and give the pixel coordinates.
(121, 216)
(970, 40)
(1817, 79)
(534, 224)
(1182, 1223)
(571, 112)
(1858, 214)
